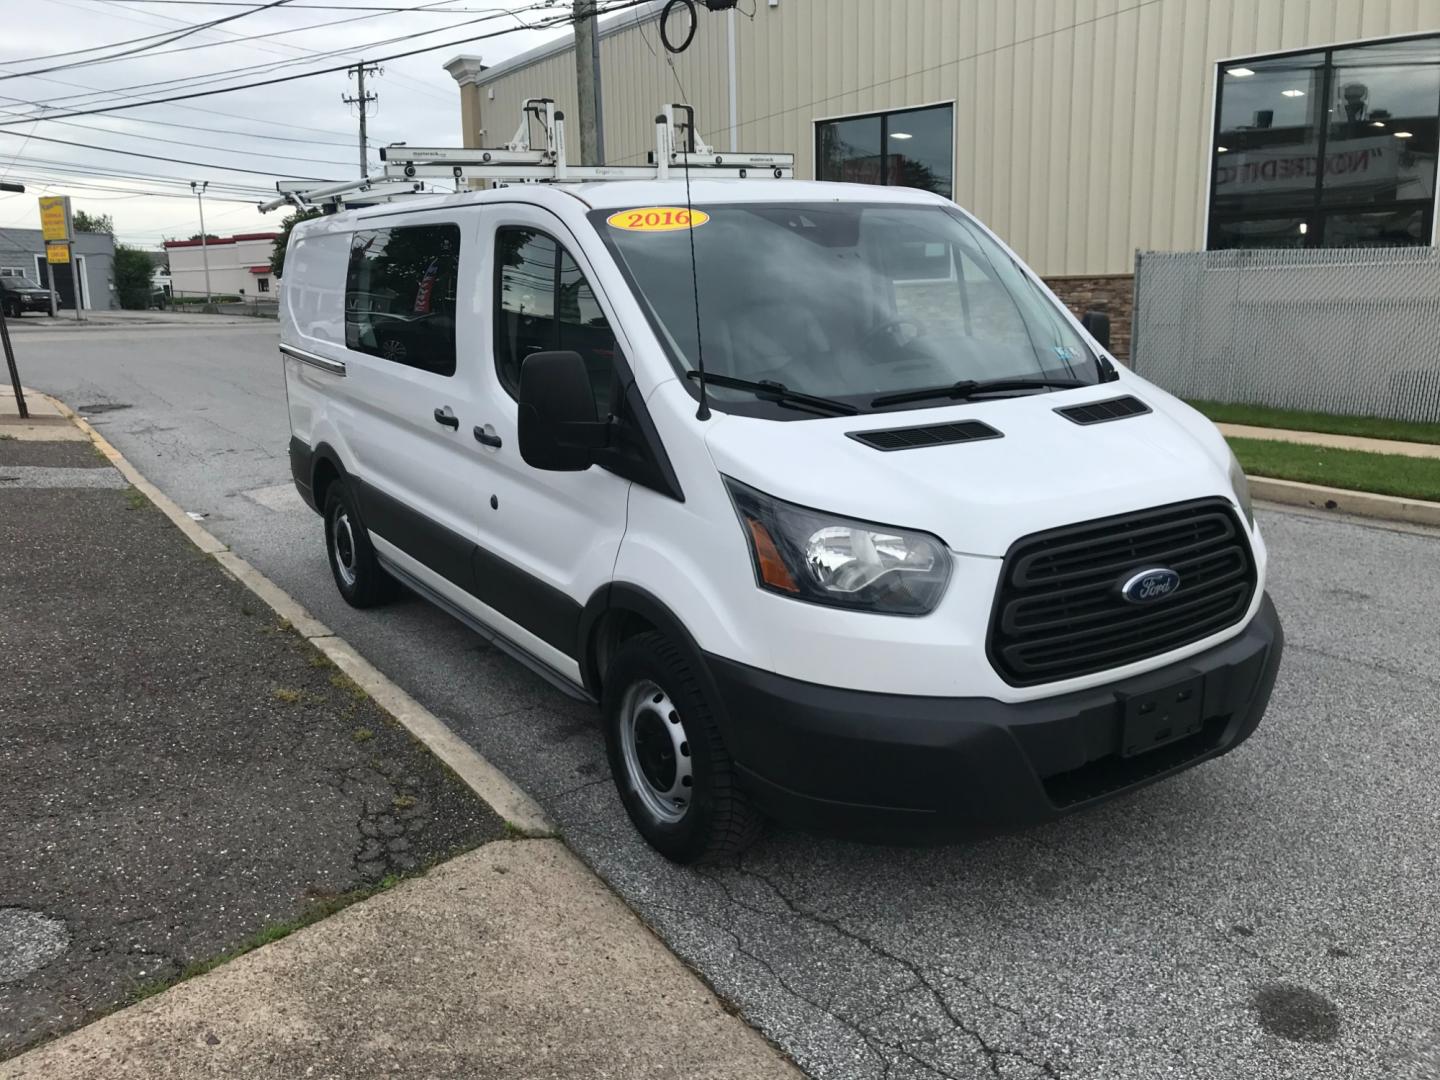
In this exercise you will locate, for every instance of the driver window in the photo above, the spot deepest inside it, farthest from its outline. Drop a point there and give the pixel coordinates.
(544, 302)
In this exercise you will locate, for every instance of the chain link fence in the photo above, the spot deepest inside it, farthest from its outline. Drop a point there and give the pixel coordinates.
(1354, 331)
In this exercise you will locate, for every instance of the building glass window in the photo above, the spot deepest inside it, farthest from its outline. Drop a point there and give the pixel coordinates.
(910, 148)
(263, 284)
(1334, 148)
(400, 295)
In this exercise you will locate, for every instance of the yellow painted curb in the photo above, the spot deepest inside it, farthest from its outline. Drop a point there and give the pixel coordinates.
(492, 786)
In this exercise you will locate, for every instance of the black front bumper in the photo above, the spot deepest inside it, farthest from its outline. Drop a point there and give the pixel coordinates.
(892, 766)
(35, 303)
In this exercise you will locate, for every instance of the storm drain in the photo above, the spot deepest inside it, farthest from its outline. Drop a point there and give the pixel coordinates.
(28, 941)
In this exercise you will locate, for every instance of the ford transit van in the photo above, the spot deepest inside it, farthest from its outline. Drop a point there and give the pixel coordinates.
(815, 489)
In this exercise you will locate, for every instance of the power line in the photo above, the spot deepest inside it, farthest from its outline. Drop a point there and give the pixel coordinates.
(187, 108)
(200, 146)
(68, 101)
(210, 128)
(193, 29)
(65, 182)
(175, 161)
(558, 21)
(101, 173)
(240, 40)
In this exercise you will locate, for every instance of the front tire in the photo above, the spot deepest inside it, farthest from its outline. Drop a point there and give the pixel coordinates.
(670, 764)
(358, 574)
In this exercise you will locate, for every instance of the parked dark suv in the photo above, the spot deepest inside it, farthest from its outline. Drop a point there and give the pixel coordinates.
(20, 294)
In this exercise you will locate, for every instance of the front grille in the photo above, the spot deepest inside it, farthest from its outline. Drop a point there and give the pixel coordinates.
(1059, 612)
(930, 435)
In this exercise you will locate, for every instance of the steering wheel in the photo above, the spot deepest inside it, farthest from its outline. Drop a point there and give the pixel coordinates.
(893, 328)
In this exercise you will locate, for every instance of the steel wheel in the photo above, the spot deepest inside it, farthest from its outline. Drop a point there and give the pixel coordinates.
(343, 538)
(656, 752)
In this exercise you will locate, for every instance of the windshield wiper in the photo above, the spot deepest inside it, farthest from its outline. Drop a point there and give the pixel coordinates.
(767, 390)
(966, 389)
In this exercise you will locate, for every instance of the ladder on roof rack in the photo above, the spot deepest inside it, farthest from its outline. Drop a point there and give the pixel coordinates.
(677, 147)
(334, 197)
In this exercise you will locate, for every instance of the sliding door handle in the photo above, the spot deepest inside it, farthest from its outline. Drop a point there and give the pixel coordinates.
(447, 418)
(487, 438)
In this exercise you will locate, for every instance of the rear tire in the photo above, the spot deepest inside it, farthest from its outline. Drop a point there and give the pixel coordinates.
(12, 309)
(670, 764)
(356, 569)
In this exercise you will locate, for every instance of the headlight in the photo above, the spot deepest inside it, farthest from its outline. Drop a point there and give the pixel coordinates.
(1241, 487)
(833, 560)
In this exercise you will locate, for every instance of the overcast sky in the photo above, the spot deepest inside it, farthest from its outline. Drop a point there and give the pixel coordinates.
(419, 102)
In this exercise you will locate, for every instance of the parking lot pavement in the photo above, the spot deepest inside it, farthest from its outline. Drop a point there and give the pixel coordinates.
(1268, 915)
(180, 772)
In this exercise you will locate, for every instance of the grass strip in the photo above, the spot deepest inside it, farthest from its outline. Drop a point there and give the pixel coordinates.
(1368, 427)
(1354, 470)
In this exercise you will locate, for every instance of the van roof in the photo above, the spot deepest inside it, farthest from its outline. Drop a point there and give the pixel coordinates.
(617, 194)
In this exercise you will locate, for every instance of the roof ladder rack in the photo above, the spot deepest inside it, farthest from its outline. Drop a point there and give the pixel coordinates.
(520, 161)
(334, 197)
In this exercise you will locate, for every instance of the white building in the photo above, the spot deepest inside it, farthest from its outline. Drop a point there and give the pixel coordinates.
(239, 265)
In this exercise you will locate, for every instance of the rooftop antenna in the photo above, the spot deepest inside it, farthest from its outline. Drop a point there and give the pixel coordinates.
(703, 412)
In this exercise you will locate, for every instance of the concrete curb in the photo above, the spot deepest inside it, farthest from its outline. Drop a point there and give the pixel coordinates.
(1363, 444)
(1360, 503)
(491, 785)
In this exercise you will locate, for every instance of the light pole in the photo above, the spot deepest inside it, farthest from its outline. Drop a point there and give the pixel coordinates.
(199, 188)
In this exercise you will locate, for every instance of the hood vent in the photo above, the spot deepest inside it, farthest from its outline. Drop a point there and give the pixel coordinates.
(1100, 412)
(911, 438)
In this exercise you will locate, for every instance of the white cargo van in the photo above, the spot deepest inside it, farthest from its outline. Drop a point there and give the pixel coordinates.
(914, 556)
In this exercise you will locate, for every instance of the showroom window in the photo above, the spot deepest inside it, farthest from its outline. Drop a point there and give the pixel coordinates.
(911, 148)
(1330, 148)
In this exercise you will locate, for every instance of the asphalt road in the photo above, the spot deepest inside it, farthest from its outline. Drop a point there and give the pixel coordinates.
(1272, 914)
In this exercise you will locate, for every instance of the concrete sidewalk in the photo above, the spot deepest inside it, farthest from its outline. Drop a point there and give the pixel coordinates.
(510, 962)
(184, 775)
(1334, 442)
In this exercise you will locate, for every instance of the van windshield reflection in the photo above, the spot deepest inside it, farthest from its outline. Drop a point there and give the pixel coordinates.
(848, 302)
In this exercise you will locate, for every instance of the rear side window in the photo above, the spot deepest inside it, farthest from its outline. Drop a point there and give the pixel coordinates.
(543, 302)
(400, 295)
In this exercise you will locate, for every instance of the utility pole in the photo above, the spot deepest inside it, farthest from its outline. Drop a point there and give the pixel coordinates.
(199, 189)
(362, 101)
(587, 84)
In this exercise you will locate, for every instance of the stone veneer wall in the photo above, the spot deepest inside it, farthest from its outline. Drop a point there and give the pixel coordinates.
(1113, 294)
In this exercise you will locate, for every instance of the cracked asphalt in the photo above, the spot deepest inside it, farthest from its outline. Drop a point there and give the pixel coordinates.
(180, 770)
(1269, 915)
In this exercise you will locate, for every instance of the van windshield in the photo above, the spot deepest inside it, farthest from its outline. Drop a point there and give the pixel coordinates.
(844, 301)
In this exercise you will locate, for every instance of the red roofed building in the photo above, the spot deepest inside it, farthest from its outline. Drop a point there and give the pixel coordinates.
(239, 265)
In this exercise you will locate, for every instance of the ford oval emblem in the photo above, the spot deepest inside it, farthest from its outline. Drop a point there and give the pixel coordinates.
(1150, 585)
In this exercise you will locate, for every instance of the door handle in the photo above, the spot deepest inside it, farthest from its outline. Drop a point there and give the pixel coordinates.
(446, 418)
(484, 438)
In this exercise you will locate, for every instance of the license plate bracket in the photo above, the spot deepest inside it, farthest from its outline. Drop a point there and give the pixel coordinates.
(1153, 719)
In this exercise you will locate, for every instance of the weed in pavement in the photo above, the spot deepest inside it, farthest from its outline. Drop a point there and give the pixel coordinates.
(363, 734)
(288, 696)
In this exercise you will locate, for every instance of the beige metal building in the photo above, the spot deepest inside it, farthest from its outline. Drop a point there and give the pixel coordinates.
(1080, 130)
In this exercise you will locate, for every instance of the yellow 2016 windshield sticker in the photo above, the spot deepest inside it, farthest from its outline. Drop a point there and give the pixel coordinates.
(657, 219)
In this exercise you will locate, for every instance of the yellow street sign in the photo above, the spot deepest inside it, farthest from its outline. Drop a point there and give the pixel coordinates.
(57, 253)
(55, 219)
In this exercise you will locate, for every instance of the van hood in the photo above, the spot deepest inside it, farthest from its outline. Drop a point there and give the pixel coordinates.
(980, 496)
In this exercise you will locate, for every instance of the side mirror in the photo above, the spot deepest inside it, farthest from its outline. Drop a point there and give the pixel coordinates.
(557, 425)
(1097, 324)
